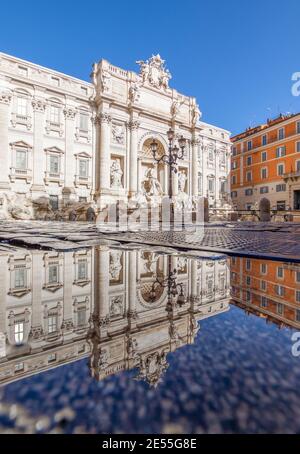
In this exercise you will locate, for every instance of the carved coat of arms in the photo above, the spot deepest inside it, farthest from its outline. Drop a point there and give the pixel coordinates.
(154, 72)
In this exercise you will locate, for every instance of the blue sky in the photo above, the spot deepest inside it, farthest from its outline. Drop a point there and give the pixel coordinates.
(235, 56)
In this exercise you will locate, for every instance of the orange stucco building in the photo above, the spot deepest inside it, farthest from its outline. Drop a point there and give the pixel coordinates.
(265, 162)
(268, 289)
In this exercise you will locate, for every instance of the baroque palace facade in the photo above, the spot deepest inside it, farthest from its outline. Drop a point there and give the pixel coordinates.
(68, 140)
(266, 164)
(59, 307)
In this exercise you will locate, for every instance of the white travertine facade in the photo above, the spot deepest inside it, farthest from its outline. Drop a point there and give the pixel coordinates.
(70, 140)
(59, 307)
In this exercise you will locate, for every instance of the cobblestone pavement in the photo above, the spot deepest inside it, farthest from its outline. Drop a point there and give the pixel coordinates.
(261, 240)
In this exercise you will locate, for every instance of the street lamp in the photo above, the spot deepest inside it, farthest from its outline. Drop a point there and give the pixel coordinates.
(170, 159)
(175, 290)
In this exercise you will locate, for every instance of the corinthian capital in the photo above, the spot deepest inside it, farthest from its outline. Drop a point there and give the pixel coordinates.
(195, 142)
(39, 105)
(131, 125)
(102, 117)
(5, 97)
(69, 113)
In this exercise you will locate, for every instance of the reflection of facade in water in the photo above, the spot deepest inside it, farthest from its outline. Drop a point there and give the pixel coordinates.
(48, 299)
(268, 289)
(139, 332)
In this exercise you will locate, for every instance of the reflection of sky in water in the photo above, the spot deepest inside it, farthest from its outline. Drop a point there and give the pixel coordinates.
(239, 376)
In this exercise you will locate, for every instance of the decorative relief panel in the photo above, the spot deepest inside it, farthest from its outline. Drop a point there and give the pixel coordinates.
(118, 134)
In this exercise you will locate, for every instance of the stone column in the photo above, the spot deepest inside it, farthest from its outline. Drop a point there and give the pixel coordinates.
(195, 166)
(3, 297)
(104, 119)
(132, 271)
(36, 331)
(69, 193)
(5, 99)
(101, 286)
(38, 187)
(133, 126)
(68, 275)
(194, 281)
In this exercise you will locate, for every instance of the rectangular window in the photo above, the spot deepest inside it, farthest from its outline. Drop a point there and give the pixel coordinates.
(249, 160)
(264, 173)
(298, 296)
(249, 191)
(297, 166)
(53, 199)
(280, 151)
(248, 296)
(248, 176)
(281, 134)
(234, 165)
(52, 324)
(82, 199)
(263, 268)
(298, 127)
(23, 71)
(19, 367)
(234, 152)
(279, 308)
(211, 185)
(84, 122)
(264, 190)
(264, 140)
(298, 276)
(54, 114)
(22, 106)
(298, 147)
(55, 81)
(233, 194)
(248, 264)
(233, 179)
(280, 169)
(53, 274)
(52, 358)
(83, 168)
(279, 290)
(81, 316)
(263, 285)
(54, 164)
(21, 159)
(248, 280)
(249, 145)
(263, 156)
(281, 187)
(264, 301)
(280, 272)
(20, 278)
(19, 332)
(297, 315)
(82, 270)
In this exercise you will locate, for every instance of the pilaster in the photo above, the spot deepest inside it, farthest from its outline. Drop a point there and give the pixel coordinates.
(133, 126)
(38, 187)
(5, 100)
(69, 189)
